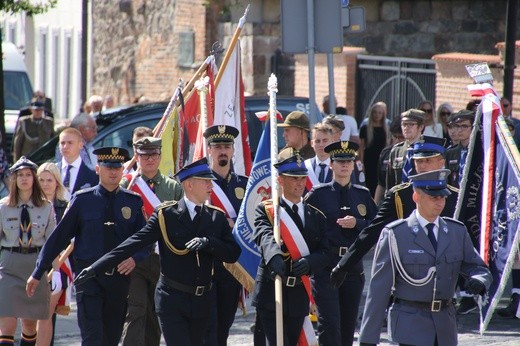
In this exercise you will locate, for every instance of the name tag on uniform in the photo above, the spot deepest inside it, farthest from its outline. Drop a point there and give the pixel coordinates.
(12, 218)
(415, 251)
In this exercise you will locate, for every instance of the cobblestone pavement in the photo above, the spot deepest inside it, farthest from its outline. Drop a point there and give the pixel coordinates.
(501, 331)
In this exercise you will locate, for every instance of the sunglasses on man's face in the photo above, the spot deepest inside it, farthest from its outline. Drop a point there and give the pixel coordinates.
(426, 110)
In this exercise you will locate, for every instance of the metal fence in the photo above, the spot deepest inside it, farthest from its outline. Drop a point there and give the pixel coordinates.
(399, 82)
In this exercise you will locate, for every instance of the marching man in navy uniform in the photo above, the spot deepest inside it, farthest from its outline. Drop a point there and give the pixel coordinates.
(308, 225)
(99, 218)
(192, 236)
(228, 193)
(418, 260)
(349, 208)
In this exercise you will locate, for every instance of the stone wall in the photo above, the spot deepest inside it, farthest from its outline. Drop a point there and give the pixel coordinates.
(136, 46)
(420, 29)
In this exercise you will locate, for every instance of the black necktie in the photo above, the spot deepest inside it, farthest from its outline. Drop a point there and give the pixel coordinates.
(151, 184)
(321, 177)
(66, 179)
(296, 217)
(431, 235)
(109, 238)
(25, 227)
(407, 166)
(196, 218)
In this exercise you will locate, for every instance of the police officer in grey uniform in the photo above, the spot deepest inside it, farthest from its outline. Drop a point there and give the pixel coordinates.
(418, 260)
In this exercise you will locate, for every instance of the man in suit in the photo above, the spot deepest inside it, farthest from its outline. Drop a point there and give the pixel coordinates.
(228, 193)
(418, 260)
(349, 208)
(318, 170)
(192, 236)
(87, 126)
(400, 165)
(398, 203)
(99, 219)
(75, 175)
(293, 264)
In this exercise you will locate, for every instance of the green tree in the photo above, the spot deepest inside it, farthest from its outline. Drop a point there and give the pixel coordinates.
(30, 7)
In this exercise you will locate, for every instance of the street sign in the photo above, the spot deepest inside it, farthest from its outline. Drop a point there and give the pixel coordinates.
(356, 20)
(328, 33)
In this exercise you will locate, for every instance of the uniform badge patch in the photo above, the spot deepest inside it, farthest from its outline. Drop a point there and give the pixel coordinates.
(239, 192)
(362, 209)
(127, 212)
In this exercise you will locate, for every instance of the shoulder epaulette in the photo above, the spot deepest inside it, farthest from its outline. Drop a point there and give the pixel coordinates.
(360, 187)
(449, 219)
(321, 186)
(452, 188)
(130, 192)
(88, 189)
(166, 204)
(400, 187)
(319, 211)
(216, 208)
(395, 223)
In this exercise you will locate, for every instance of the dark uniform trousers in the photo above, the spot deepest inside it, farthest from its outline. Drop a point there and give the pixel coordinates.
(182, 296)
(338, 307)
(99, 220)
(104, 296)
(226, 289)
(295, 299)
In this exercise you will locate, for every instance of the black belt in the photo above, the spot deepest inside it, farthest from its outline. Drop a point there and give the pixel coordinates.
(434, 306)
(291, 281)
(196, 290)
(339, 251)
(23, 250)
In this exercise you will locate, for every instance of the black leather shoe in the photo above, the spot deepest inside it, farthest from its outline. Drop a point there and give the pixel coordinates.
(510, 310)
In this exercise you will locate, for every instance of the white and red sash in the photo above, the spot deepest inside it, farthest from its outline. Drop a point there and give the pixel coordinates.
(298, 248)
(150, 200)
(221, 200)
(312, 179)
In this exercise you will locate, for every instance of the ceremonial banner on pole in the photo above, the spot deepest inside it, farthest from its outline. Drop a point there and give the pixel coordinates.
(503, 237)
(258, 189)
(230, 109)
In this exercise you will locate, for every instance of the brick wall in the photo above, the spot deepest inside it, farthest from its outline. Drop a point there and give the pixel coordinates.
(344, 77)
(452, 78)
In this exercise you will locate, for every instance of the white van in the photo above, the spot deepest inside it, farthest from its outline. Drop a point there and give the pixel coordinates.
(17, 87)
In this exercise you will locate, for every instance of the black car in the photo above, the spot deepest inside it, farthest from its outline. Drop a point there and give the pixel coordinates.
(115, 125)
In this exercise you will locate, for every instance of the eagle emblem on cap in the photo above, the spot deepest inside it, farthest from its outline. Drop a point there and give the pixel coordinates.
(115, 151)
(344, 145)
(222, 129)
(299, 161)
(442, 175)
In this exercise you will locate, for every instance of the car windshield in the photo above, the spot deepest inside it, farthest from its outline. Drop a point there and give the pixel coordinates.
(17, 90)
